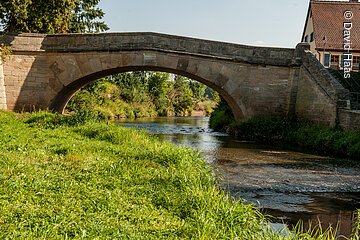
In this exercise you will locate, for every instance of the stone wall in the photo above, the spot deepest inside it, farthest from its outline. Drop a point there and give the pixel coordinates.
(147, 41)
(349, 120)
(3, 105)
(319, 95)
(313, 103)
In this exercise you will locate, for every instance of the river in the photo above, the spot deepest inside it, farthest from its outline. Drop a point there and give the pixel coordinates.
(288, 185)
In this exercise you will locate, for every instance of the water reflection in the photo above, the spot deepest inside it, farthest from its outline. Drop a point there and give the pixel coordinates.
(288, 185)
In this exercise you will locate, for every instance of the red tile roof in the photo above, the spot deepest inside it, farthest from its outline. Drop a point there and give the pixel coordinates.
(328, 19)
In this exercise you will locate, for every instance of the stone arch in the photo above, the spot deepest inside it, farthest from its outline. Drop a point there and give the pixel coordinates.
(61, 99)
(253, 80)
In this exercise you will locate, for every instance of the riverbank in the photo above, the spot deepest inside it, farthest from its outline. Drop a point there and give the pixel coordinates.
(63, 177)
(304, 136)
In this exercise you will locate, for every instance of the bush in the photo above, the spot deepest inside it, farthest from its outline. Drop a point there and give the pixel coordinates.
(261, 129)
(308, 136)
(222, 117)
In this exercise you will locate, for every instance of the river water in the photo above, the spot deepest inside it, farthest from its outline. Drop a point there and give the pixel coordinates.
(288, 185)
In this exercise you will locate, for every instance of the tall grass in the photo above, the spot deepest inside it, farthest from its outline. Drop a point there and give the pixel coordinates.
(357, 227)
(62, 179)
(94, 180)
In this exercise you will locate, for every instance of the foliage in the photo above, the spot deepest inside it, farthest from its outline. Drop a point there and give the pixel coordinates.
(352, 83)
(5, 51)
(262, 129)
(159, 88)
(222, 117)
(181, 96)
(288, 133)
(197, 89)
(36, 16)
(133, 86)
(357, 227)
(54, 16)
(142, 94)
(86, 17)
(309, 136)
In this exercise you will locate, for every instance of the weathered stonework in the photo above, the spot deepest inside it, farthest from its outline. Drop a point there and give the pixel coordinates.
(3, 105)
(44, 71)
(320, 96)
(349, 119)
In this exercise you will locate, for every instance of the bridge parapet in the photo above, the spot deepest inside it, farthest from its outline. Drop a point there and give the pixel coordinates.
(321, 76)
(114, 42)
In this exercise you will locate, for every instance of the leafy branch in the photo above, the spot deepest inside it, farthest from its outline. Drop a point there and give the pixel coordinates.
(5, 51)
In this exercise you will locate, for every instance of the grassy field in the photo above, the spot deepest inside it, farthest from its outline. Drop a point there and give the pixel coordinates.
(63, 178)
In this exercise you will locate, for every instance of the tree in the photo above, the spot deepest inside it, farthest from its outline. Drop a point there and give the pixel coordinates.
(133, 86)
(39, 16)
(86, 17)
(50, 16)
(159, 88)
(181, 97)
(198, 90)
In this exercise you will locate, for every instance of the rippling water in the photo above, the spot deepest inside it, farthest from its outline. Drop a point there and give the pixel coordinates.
(286, 184)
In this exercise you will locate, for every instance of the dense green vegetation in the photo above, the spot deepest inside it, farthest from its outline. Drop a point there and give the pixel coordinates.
(60, 16)
(144, 94)
(222, 117)
(352, 83)
(65, 177)
(283, 132)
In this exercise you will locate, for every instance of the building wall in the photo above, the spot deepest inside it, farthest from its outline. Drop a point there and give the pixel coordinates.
(308, 30)
(320, 51)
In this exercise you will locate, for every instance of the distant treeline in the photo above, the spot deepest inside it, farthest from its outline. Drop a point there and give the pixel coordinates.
(144, 94)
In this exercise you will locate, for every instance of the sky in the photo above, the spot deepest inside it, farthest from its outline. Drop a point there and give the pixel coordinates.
(276, 23)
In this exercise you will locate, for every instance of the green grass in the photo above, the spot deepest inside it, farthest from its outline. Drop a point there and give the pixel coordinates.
(63, 178)
(357, 227)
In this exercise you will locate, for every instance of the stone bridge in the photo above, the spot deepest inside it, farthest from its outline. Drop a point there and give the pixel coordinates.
(44, 72)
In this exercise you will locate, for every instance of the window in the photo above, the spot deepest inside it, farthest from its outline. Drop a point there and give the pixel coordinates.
(356, 62)
(312, 37)
(327, 60)
(306, 38)
(334, 61)
(347, 58)
(342, 60)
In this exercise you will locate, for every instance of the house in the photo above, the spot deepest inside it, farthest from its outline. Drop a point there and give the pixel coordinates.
(332, 29)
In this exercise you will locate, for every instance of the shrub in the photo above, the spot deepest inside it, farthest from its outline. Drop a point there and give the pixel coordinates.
(308, 136)
(222, 117)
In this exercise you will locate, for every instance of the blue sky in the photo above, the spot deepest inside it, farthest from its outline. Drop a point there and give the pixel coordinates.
(253, 22)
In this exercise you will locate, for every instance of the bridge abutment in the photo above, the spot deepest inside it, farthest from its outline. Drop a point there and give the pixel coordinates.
(3, 105)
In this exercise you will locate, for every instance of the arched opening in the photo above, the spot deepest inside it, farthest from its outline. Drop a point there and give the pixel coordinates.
(60, 101)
